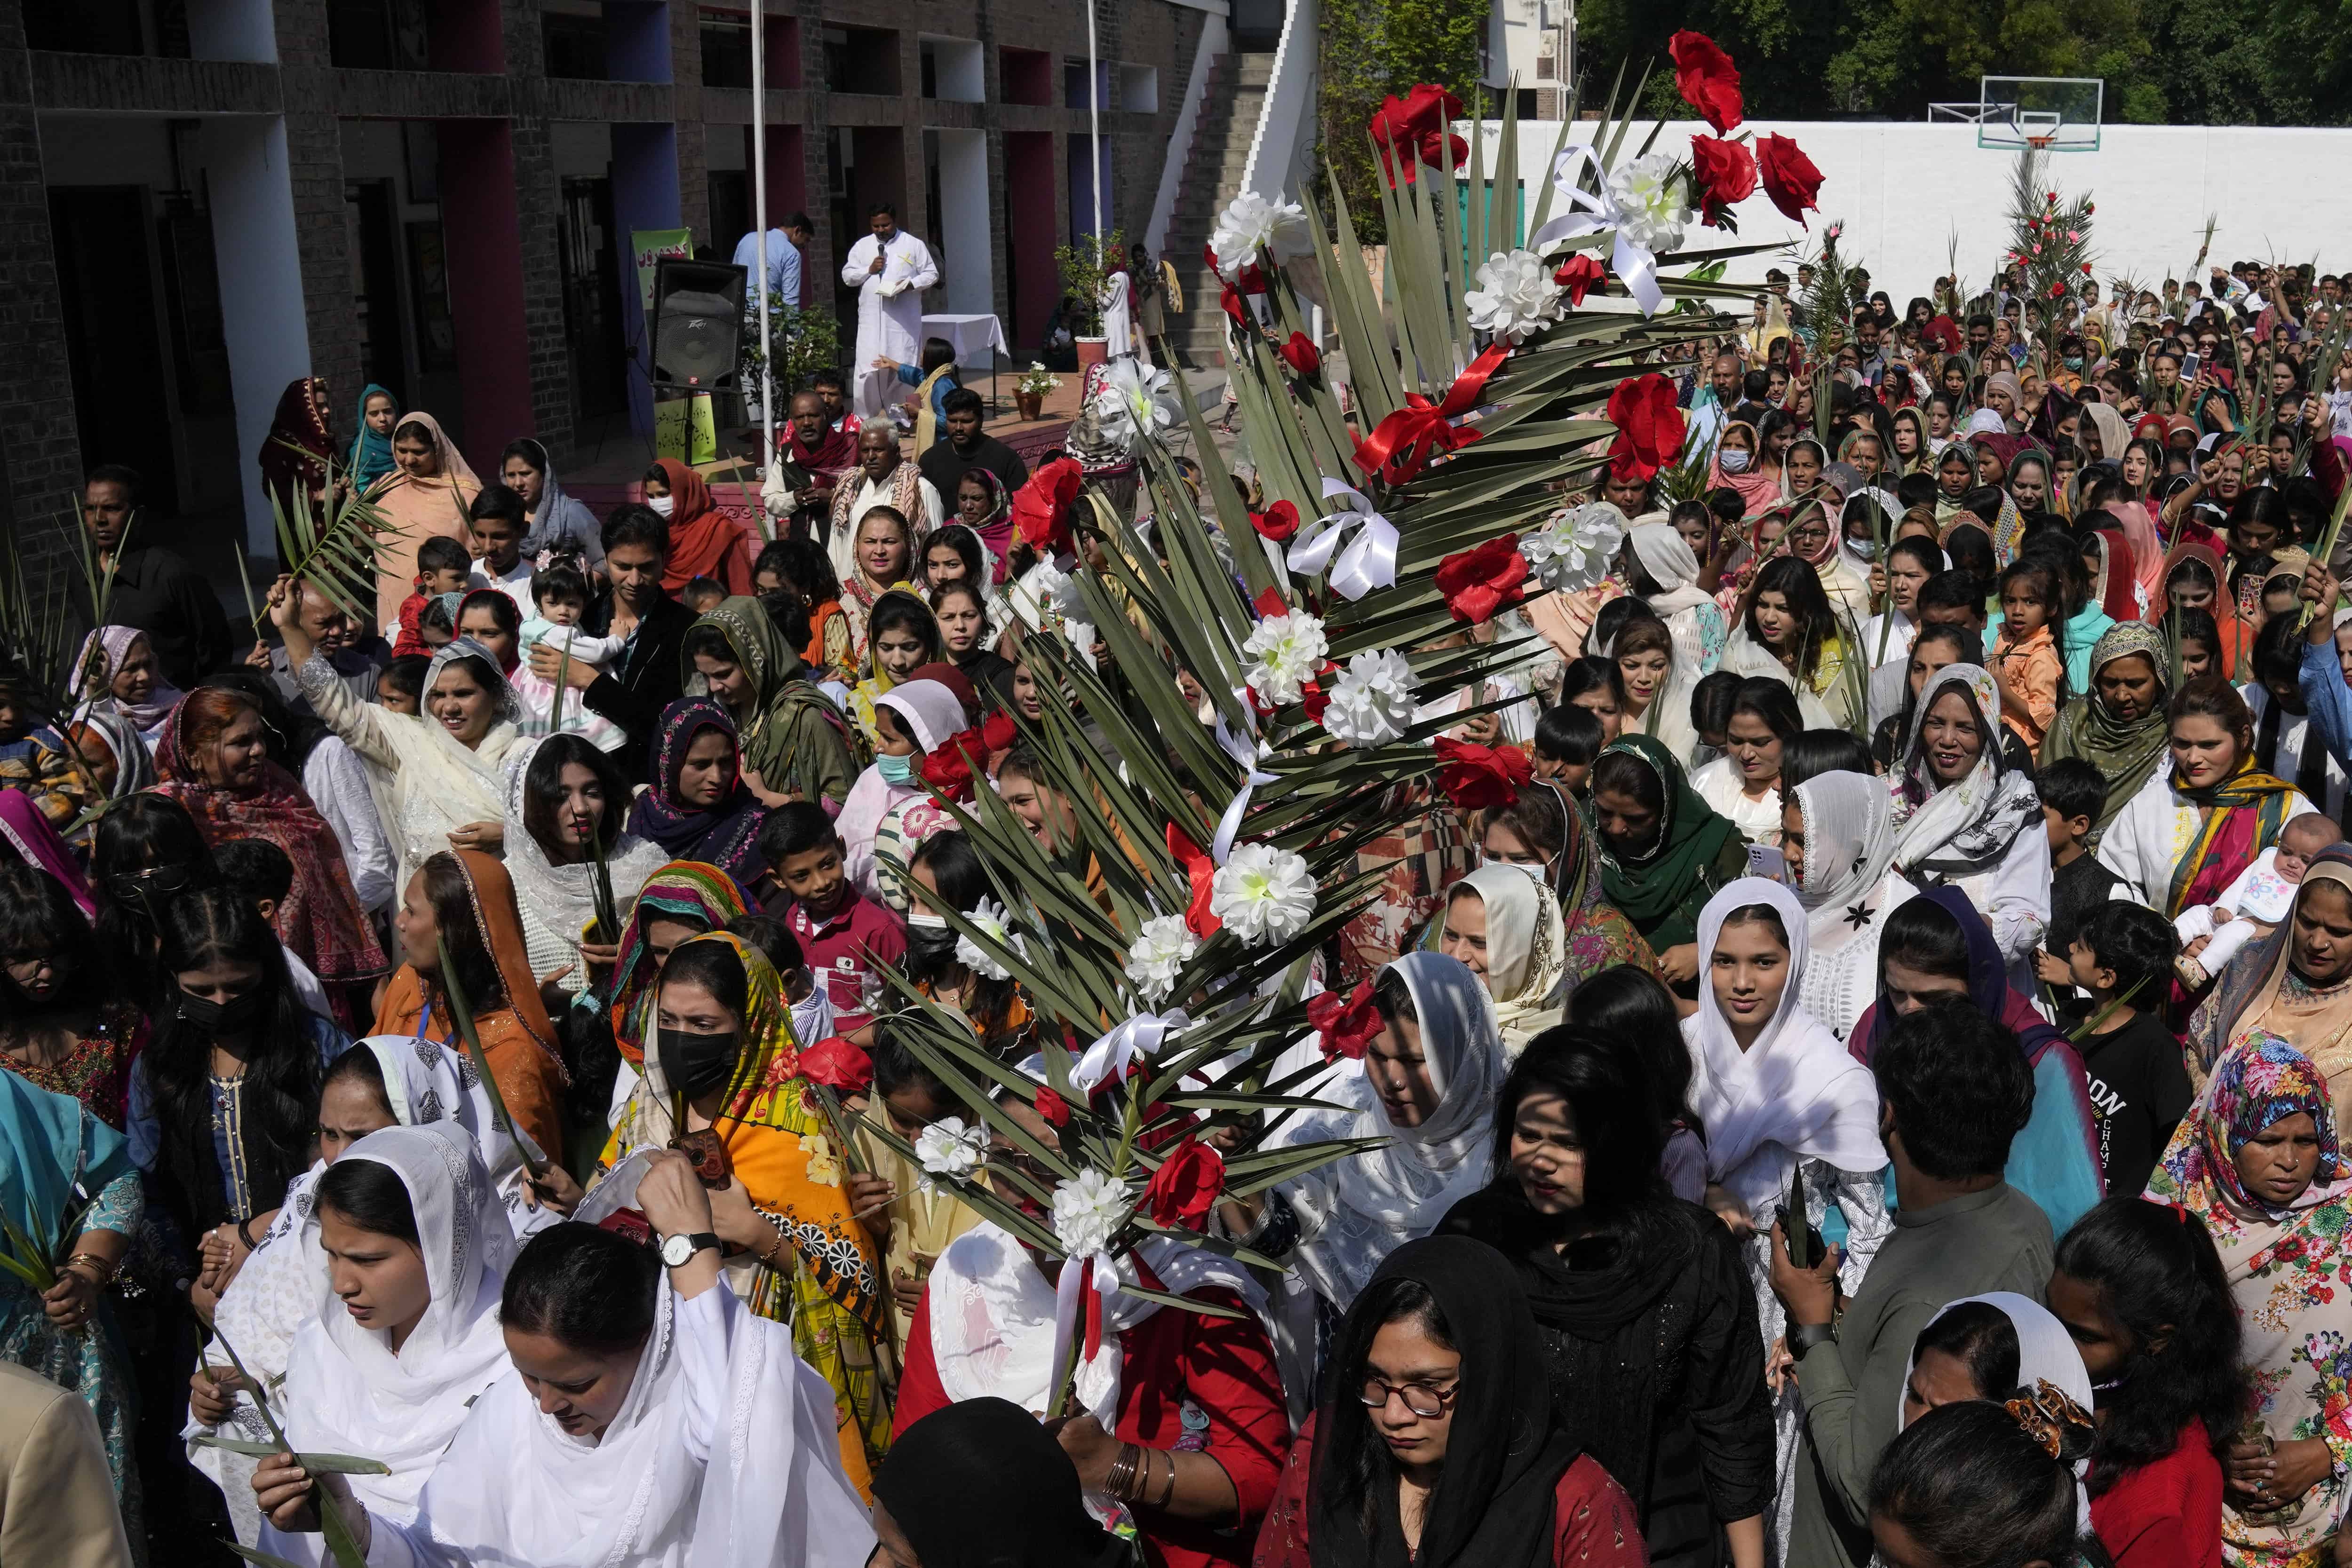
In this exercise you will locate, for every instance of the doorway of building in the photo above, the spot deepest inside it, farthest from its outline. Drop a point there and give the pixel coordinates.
(591, 299)
(113, 350)
(375, 235)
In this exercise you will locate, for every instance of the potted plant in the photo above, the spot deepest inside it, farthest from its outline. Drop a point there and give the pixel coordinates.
(1086, 268)
(1029, 392)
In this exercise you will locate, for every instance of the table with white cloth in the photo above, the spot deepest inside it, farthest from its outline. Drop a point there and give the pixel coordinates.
(969, 335)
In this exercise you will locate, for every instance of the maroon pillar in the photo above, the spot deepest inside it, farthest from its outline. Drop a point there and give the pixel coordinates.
(1030, 228)
(483, 239)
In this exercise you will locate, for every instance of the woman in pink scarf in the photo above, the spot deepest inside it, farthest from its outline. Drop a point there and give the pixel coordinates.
(1757, 479)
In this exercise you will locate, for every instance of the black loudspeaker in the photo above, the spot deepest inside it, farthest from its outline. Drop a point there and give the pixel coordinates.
(697, 327)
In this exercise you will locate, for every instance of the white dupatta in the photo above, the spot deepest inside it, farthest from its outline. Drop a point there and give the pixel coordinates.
(347, 1392)
(1794, 1085)
(558, 903)
(724, 1452)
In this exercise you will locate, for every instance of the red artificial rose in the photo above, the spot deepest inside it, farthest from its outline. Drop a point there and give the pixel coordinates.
(837, 1065)
(1726, 172)
(1301, 354)
(1708, 80)
(948, 771)
(1580, 274)
(1187, 1183)
(1790, 177)
(1347, 1024)
(1279, 522)
(1481, 777)
(1041, 507)
(1478, 582)
(1416, 128)
(1053, 1108)
(1251, 278)
(1649, 426)
(999, 733)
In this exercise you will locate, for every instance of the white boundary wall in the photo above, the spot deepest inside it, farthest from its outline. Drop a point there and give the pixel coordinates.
(1904, 190)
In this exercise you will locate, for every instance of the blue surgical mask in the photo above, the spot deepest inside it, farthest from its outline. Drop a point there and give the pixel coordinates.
(895, 769)
(1732, 460)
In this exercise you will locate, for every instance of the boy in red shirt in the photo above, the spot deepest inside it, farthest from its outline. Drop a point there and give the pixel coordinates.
(842, 932)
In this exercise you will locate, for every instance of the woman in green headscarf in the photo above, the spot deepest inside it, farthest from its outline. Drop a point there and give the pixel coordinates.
(2119, 726)
(1664, 851)
(371, 454)
(794, 744)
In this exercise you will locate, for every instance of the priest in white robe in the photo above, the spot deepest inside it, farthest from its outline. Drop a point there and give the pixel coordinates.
(889, 268)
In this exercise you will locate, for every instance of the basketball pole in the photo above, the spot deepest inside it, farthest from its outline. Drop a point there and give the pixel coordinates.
(760, 221)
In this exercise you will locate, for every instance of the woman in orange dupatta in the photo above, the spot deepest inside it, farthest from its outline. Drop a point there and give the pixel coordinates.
(703, 540)
(466, 899)
(427, 493)
(722, 1082)
(2211, 596)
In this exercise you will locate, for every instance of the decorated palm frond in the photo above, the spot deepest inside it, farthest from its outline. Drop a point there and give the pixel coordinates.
(331, 542)
(1166, 934)
(2050, 238)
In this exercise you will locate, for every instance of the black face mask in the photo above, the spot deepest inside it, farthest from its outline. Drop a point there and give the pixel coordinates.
(696, 1064)
(232, 1017)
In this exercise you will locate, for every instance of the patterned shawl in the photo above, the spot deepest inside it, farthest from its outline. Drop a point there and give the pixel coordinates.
(779, 691)
(725, 833)
(2126, 752)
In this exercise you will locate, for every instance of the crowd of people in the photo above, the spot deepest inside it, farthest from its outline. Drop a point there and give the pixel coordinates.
(1868, 1093)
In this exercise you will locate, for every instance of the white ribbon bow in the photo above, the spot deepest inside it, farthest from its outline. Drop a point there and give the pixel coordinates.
(1594, 212)
(1138, 1037)
(1096, 1268)
(1369, 561)
(1247, 754)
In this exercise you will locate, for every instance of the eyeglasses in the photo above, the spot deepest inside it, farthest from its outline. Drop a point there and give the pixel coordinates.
(1377, 1392)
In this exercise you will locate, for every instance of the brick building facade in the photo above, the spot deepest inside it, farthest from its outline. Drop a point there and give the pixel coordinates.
(201, 200)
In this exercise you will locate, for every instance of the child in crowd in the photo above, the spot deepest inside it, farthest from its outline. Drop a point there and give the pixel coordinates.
(844, 934)
(400, 687)
(1568, 738)
(702, 595)
(499, 529)
(2071, 792)
(263, 874)
(1710, 712)
(443, 568)
(2253, 905)
(560, 598)
(2121, 955)
(2025, 657)
(812, 1006)
(33, 756)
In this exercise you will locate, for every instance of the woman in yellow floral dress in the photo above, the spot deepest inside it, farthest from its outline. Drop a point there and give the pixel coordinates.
(721, 1082)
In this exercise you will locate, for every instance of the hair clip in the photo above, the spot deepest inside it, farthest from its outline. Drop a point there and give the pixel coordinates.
(2045, 1413)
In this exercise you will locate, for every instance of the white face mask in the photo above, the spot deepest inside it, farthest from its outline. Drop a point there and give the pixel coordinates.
(1733, 461)
(925, 920)
(662, 503)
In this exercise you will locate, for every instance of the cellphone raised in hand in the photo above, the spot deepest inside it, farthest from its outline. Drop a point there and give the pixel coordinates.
(1802, 1243)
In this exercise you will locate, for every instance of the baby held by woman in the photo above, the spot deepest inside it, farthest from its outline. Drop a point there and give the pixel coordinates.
(2253, 905)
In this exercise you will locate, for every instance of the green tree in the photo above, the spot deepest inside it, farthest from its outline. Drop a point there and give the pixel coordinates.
(1373, 51)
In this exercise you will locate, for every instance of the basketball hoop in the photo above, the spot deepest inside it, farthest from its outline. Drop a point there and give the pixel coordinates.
(2041, 143)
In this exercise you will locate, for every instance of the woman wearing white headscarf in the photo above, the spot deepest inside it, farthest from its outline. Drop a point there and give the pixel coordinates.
(1666, 575)
(1777, 1094)
(444, 760)
(1352, 1213)
(875, 823)
(1968, 819)
(622, 1474)
(1838, 831)
(2046, 1353)
(417, 1248)
(1504, 925)
(383, 1081)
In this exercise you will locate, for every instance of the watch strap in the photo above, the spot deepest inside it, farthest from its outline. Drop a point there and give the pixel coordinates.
(1804, 1337)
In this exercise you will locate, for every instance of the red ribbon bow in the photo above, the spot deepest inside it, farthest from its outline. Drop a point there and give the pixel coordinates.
(1406, 440)
(1347, 1024)
(1201, 873)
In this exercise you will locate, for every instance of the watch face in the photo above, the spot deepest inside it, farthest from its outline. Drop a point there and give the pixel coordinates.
(676, 1252)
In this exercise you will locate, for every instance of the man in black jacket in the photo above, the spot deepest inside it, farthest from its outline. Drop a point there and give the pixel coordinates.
(645, 677)
(153, 589)
(962, 445)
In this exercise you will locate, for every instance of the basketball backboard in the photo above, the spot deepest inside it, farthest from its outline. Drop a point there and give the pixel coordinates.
(2054, 114)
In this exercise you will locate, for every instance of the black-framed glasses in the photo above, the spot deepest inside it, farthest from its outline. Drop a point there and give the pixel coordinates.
(1377, 1391)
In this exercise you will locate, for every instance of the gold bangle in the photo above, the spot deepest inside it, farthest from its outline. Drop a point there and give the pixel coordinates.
(104, 1271)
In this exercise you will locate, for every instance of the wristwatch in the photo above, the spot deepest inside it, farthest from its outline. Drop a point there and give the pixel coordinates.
(677, 1251)
(1802, 1337)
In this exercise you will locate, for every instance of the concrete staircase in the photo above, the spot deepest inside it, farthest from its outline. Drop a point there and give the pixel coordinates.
(1212, 177)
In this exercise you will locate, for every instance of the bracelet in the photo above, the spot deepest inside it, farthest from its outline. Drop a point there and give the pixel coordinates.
(103, 1271)
(776, 1223)
(1802, 1337)
(1168, 1492)
(246, 1236)
(1121, 1477)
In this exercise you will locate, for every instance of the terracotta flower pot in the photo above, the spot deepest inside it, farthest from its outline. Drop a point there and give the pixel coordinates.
(1030, 405)
(1092, 352)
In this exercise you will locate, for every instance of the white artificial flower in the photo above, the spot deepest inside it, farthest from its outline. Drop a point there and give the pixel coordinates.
(1651, 194)
(1136, 402)
(989, 917)
(1373, 704)
(1160, 950)
(1251, 224)
(1089, 1209)
(1264, 894)
(1573, 548)
(1289, 649)
(1516, 295)
(947, 1148)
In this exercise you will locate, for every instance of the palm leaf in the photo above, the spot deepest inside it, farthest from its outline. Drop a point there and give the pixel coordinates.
(461, 1012)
